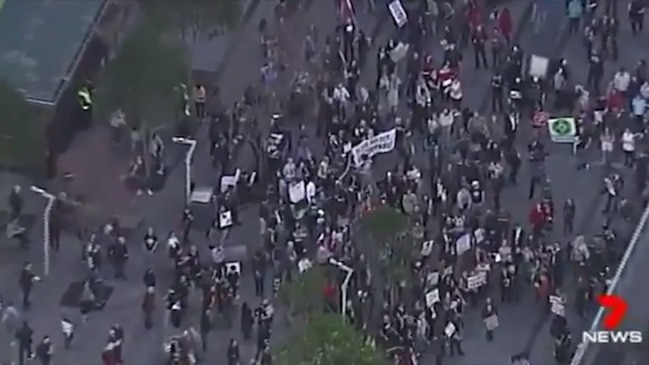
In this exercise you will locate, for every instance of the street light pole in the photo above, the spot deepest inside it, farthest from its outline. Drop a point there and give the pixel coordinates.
(188, 164)
(47, 214)
(345, 285)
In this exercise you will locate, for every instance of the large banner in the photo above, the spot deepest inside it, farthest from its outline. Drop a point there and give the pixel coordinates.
(381, 143)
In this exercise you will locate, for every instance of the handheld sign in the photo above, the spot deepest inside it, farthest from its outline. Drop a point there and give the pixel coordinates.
(398, 13)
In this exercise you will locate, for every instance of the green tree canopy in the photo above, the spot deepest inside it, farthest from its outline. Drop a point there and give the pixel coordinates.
(328, 340)
(394, 245)
(305, 294)
(143, 77)
(21, 134)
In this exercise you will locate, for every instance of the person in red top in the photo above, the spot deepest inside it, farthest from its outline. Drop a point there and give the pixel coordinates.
(108, 355)
(615, 101)
(537, 218)
(505, 24)
(474, 15)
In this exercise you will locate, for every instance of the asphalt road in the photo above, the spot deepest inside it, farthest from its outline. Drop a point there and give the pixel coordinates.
(520, 327)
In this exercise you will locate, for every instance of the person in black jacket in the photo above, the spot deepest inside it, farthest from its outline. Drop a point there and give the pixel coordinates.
(25, 342)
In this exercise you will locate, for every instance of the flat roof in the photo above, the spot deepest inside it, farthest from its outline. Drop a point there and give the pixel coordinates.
(41, 41)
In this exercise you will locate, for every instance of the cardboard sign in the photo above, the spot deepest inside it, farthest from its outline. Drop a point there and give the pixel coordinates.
(225, 219)
(381, 143)
(234, 266)
(398, 13)
(463, 244)
(491, 322)
(558, 305)
(399, 52)
(477, 280)
(539, 66)
(304, 265)
(432, 297)
(450, 329)
(432, 279)
(427, 248)
(297, 192)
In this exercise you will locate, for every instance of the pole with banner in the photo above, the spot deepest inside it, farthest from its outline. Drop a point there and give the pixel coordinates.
(562, 129)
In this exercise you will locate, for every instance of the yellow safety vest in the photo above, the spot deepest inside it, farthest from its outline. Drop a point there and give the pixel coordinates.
(84, 98)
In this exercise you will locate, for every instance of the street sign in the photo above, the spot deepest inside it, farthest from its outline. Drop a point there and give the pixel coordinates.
(563, 129)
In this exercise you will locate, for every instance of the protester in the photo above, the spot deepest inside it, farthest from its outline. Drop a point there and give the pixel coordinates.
(475, 255)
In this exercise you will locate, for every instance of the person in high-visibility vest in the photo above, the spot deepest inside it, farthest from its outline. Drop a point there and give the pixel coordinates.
(199, 100)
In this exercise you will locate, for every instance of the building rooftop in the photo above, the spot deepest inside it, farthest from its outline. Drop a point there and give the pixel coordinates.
(41, 41)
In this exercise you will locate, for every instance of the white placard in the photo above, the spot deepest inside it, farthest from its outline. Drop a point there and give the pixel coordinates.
(398, 13)
(432, 278)
(427, 248)
(432, 297)
(463, 244)
(563, 129)
(297, 192)
(558, 309)
(230, 181)
(381, 143)
(558, 305)
(539, 66)
(479, 234)
(225, 219)
(399, 52)
(477, 280)
(234, 266)
(448, 270)
(202, 195)
(304, 265)
(450, 329)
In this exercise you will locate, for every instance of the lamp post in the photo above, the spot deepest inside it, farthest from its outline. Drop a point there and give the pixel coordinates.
(345, 285)
(47, 213)
(188, 164)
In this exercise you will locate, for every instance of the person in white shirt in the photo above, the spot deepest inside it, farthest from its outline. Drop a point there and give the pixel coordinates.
(393, 93)
(606, 144)
(289, 170)
(341, 98)
(67, 328)
(628, 146)
(456, 95)
(621, 81)
(446, 120)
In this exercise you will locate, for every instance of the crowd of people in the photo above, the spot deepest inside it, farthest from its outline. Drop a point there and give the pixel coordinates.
(453, 166)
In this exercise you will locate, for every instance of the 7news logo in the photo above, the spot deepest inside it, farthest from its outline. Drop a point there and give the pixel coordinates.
(617, 308)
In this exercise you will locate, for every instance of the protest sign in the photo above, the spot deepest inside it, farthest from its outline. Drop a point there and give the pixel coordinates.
(557, 305)
(463, 244)
(297, 192)
(432, 297)
(539, 66)
(563, 129)
(225, 219)
(381, 143)
(398, 13)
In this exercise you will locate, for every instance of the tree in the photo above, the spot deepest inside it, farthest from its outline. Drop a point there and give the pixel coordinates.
(191, 18)
(143, 76)
(21, 135)
(305, 294)
(389, 228)
(328, 340)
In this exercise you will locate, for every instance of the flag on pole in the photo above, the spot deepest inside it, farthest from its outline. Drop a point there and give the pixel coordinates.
(346, 11)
